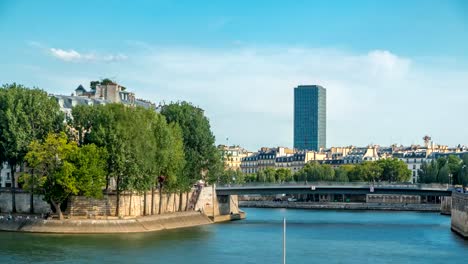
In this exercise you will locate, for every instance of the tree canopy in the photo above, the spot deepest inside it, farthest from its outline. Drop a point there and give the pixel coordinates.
(25, 115)
(63, 169)
(202, 157)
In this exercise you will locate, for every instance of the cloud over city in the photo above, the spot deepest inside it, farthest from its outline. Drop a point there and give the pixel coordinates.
(374, 96)
(74, 56)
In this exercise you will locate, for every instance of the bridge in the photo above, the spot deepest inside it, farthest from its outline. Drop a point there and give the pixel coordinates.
(335, 188)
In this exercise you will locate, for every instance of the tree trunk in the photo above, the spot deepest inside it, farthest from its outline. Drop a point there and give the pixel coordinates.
(31, 201)
(152, 200)
(130, 204)
(187, 201)
(117, 206)
(160, 198)
(180, 200)
(58, 210)
(13, 188)
(144, 203)
(168, 198)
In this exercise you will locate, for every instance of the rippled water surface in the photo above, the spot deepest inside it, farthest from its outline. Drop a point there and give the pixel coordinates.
(312, 237)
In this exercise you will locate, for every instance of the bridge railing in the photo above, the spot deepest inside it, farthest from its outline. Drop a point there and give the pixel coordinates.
(342, 184)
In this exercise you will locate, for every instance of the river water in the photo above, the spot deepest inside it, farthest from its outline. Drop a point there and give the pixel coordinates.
(312, 237)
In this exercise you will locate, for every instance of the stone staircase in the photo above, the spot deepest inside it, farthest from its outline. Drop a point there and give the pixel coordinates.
(194, 199)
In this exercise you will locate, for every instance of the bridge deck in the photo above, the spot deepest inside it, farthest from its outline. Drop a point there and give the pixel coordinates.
(329, 189)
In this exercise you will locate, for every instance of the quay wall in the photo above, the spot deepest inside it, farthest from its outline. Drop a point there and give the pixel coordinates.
(446, 206)
(460, 214)
(103, 226)
(131, 204)
(23, 202)
(342, 206)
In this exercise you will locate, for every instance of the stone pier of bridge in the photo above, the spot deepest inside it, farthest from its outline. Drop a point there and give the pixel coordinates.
(460, 214)
(219, 208)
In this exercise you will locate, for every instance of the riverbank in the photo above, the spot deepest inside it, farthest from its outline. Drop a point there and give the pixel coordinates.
(103, 226)
(342, 206)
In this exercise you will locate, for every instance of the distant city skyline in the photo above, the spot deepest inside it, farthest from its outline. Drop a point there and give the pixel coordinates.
(393, 73)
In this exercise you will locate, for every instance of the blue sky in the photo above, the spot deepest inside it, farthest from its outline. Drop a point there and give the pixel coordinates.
(394, 70)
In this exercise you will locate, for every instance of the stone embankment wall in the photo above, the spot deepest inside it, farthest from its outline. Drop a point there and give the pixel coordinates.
(79, 206)
(85, 226)
(460, 214)
(393, 199)
(342, 206)
(130, 204)
(446, 205)
(23, 202)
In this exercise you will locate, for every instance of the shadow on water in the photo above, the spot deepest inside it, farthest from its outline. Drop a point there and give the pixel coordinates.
(53, 247)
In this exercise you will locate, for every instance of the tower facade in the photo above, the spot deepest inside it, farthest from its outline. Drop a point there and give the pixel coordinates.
(310, 117)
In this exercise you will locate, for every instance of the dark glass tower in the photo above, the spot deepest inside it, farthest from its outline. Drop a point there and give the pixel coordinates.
(310, 117)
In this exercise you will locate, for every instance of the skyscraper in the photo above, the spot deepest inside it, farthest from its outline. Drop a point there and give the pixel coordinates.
(310, 117)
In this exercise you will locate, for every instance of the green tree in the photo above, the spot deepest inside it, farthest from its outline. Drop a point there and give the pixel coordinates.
(423, 173)
(176, 164)
(25, 115)
(428, 172)
(312, 171)
(251, 177)
(270, 175)
(203, 160)
(122, 131)
(455, 164)
(82, 121)
(283, 175)
(341, 174)
(394, 170)
(261, 176)
(371, 171)
(443, 176)
(328, 173)
(63, 169)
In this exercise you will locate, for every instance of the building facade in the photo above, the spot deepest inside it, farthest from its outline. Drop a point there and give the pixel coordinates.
(414, 160)
(310, 117)
(264, 158)
(100, 94)
(232, 156)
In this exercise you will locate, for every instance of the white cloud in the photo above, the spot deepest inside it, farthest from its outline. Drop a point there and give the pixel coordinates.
(74, 56)
(375, 97)
(372, 97)
(70, 55)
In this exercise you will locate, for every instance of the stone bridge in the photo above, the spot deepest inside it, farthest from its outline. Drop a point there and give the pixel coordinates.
(335, 188)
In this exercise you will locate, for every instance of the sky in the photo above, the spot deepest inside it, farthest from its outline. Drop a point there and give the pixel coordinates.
(394, 70)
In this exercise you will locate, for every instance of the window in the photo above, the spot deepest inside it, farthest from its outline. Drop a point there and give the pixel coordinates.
(8, 176)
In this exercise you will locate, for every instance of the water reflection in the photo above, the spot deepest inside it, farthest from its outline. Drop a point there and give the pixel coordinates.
(334, 236)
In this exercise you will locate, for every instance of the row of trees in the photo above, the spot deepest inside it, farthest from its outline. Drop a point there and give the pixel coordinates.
(133, 148)
(391, 170)
(449, 169)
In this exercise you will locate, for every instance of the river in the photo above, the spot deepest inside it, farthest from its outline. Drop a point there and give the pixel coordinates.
(312, 237)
